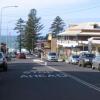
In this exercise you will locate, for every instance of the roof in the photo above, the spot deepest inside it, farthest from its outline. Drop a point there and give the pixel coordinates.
(78, 29)
(68, 32)
(89, 33)
(88, 25)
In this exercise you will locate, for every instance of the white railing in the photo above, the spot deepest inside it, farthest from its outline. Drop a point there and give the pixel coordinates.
(71, 42)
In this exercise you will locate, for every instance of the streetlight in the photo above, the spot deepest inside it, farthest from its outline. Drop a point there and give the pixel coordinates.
(1, 20)
(9, 35)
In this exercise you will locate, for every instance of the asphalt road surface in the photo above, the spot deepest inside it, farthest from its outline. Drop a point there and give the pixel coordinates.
(32, 79)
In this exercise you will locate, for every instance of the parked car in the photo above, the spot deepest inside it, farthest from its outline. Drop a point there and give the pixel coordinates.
(86, 59)
(96, 63)
(13, 55)
(3, 62)
(52, 56)
(74, 59)
(8, 56)
(21, 56)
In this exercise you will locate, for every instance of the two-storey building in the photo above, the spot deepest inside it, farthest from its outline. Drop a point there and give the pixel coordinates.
(75, 38)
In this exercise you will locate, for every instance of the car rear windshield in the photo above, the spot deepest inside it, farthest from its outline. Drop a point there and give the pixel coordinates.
(89, 55)
(75, 56)
(52, 54)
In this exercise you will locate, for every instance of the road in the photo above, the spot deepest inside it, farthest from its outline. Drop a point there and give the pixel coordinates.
(32, 79)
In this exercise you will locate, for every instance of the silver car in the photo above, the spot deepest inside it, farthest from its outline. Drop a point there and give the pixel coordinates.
(52, 56)
(74, 59)
(96, 63)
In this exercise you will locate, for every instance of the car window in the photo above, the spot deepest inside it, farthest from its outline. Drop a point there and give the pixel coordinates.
(89, 55)
(76, 56)
(52, 54)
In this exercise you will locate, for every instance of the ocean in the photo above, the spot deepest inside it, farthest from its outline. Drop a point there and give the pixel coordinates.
(11, 41)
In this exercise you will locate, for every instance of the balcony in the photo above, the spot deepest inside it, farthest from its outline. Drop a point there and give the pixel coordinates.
(71, 43)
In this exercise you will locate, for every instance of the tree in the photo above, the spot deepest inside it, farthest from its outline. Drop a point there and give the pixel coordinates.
(57, 26)
(32, 29)
(20, 29)
(46, 37)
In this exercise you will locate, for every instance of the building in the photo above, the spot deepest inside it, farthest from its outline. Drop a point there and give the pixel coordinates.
(49, 45)
(75, 39)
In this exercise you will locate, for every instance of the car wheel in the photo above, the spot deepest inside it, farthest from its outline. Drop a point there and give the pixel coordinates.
(99, 67)
(83, 64)
(5, 68)
(93, 67)
(90, 65)
(79, 65)
(68, 62)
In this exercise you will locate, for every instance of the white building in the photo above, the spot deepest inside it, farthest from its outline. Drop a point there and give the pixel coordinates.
(75, 38)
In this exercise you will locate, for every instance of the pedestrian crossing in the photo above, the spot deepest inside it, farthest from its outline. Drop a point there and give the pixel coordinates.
(42, 74)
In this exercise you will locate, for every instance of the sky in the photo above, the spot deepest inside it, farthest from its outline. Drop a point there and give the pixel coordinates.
(71, 11)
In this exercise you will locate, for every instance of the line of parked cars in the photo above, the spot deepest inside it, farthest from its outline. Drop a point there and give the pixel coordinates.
(85, 60)
(4, 58)
(3, 62)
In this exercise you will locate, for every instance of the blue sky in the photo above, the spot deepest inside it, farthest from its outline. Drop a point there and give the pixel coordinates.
(71, 11)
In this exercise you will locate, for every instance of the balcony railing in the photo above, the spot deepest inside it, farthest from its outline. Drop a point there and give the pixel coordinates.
(71, 42)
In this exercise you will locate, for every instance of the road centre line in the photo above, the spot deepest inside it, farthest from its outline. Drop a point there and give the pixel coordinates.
(74, 78)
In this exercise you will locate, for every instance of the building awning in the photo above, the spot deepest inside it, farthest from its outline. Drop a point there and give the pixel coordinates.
(94, 40)
(62, 34)
(70, 45)
(89, 33)
(69, 33)
(78, 33)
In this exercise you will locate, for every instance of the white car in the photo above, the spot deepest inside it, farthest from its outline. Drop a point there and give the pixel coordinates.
(74, 59)
(52, 56)
(96, 63)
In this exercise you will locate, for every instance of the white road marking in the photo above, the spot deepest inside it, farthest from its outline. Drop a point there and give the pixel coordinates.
(23, 76)
(73, 77)
(77, 79)
(45, 63)
(27, 72)
(37, 60)
(30, 76)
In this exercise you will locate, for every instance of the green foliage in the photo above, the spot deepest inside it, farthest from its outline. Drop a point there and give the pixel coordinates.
(57, 26)
(46, 37)
(20, 27)
(32, 29)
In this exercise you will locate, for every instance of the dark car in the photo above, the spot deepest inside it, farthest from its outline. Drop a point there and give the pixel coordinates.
(86, 59)
(3, 62)
(21, 56)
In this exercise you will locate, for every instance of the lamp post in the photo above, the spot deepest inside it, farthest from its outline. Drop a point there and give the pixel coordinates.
(1, 20)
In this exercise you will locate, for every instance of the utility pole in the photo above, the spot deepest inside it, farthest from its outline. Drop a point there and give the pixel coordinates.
(1, 12)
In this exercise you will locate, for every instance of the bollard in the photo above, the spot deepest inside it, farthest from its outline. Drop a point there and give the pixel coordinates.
(45, 63)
